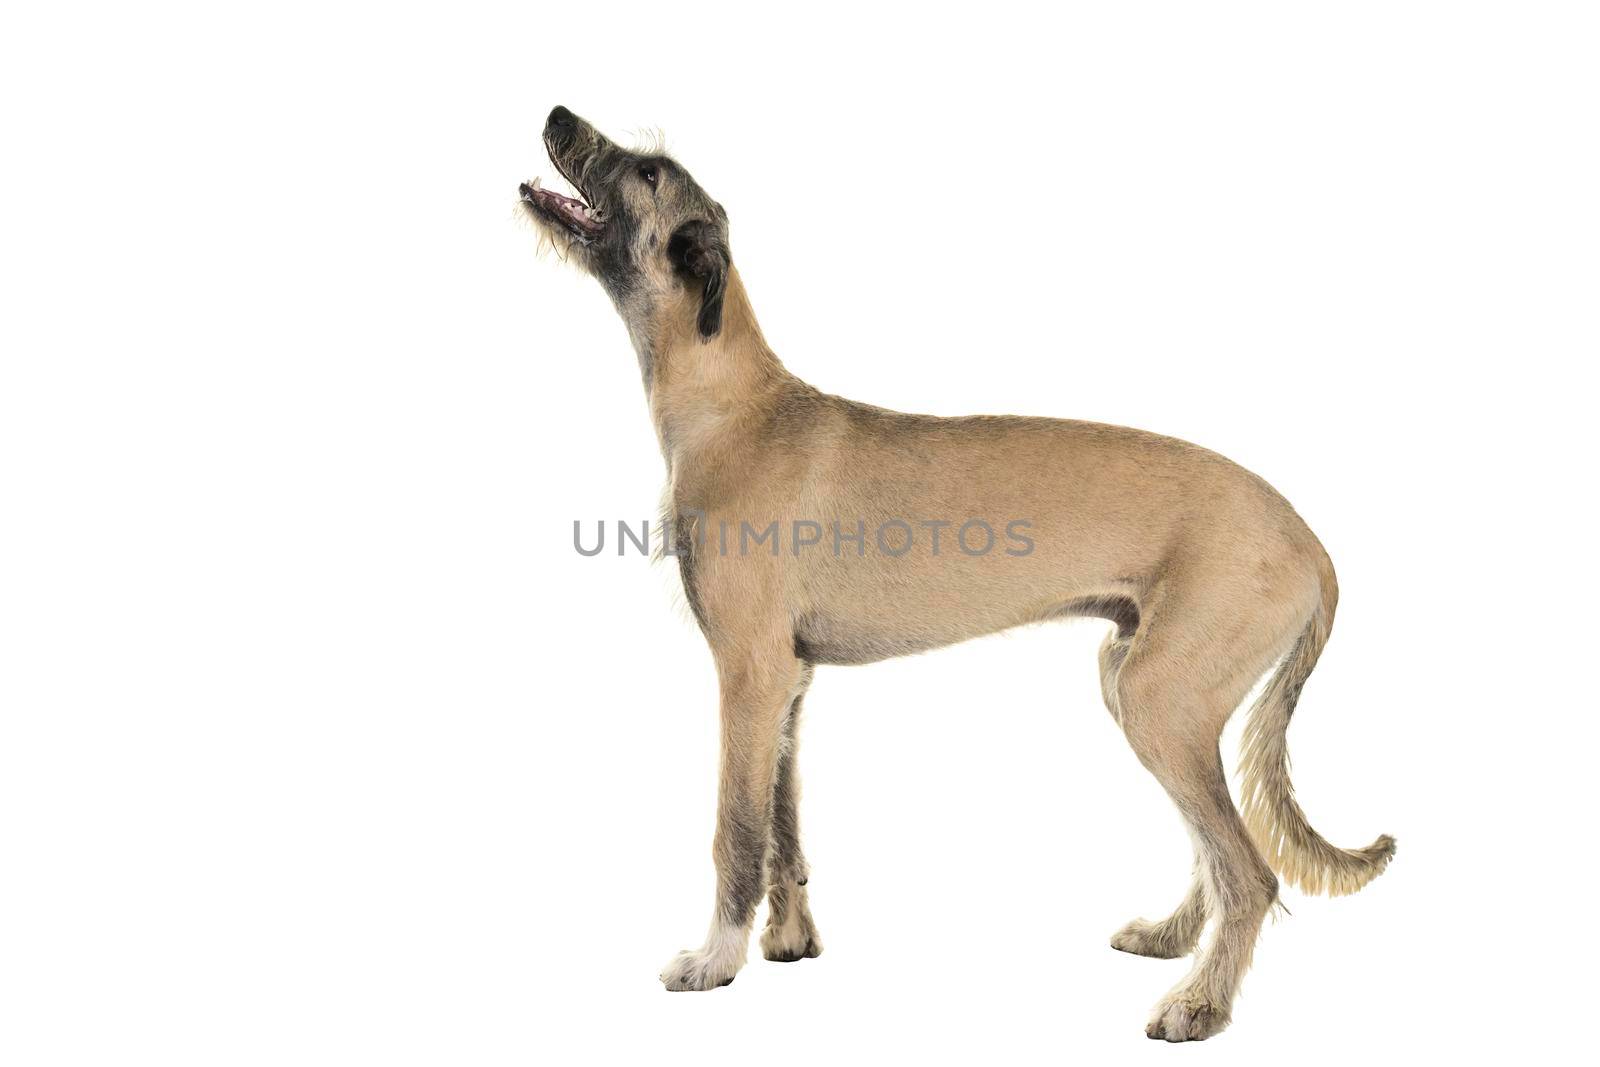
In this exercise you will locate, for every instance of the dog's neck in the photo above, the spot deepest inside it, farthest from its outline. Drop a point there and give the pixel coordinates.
(709, 397)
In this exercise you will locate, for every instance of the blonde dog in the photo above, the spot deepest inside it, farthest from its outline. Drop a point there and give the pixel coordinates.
(1209, 576)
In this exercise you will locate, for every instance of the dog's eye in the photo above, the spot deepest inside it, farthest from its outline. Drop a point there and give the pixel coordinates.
(648, 173)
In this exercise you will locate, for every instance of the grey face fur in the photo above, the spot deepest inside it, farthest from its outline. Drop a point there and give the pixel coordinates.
(643, 227)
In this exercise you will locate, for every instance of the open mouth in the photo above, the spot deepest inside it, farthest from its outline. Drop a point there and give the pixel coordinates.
(569, 213)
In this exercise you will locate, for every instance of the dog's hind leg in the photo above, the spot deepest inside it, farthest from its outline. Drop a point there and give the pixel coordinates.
(1190, 666)
(759, 681)
(1178, 933)
(790, 934)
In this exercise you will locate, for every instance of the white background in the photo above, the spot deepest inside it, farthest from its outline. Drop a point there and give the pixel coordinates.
(322, 745)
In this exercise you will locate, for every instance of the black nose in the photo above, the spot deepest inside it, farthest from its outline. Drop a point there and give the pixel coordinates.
(561, 121)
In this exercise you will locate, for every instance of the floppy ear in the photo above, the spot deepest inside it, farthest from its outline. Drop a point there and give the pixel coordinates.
(697, 250)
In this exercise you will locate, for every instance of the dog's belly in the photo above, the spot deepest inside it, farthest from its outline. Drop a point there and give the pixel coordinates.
(820, 639)
(837, 640)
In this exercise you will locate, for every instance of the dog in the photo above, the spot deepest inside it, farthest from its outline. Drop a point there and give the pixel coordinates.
(1209, 577)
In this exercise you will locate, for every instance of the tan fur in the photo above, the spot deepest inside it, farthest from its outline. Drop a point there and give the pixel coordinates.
(1291, 846)
(1211, 576)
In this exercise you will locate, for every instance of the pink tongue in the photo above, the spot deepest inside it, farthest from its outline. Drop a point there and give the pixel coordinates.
(571, 207)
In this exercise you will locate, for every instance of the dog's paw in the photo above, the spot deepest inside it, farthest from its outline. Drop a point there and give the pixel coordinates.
(698, 971)
(1156, 940)
(790, 934)
(785, 944)
(1185, 1018)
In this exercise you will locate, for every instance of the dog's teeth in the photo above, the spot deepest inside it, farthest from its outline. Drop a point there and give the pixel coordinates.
(536, 183)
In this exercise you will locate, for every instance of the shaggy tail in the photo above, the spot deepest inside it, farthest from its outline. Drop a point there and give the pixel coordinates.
(1291, 847)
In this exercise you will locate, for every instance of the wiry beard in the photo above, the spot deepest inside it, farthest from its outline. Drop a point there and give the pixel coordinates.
(551, 240)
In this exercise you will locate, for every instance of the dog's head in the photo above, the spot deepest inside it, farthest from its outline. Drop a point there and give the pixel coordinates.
(639, 224)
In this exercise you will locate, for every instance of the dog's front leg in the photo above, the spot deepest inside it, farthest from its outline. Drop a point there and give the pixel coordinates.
(758, 685)
(790, 934)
